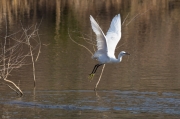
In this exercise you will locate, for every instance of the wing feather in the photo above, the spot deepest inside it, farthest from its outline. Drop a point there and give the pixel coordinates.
(113, 35)
(100, 37)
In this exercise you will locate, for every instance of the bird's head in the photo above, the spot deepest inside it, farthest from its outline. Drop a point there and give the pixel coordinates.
(121, 54)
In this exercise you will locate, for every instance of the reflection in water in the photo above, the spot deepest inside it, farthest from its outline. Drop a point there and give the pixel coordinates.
(151, 72)
(58, 15)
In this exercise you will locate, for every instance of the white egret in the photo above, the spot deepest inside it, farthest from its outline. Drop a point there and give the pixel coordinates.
(106, 44)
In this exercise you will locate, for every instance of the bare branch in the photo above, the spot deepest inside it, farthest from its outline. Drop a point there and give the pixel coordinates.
(12, 88)
(125, 19)
(137, 16)
(99, 77)
(39, 51)
(14, 51)
(79, 44)
(14, 85)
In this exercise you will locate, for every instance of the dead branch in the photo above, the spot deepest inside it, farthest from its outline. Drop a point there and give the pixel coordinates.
(99, 77)
(14, 52)
(29, 37)
(79, 44)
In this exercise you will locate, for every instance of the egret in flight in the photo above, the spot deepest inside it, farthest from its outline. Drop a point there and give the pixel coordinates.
(106, 44)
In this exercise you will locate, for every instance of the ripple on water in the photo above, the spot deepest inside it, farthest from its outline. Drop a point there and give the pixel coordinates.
(132, 101)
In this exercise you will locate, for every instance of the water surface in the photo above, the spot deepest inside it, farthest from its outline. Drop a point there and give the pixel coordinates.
(146, 84)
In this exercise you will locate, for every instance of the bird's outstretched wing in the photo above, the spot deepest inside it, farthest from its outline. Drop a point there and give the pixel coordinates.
(113, 35)
(100, 37)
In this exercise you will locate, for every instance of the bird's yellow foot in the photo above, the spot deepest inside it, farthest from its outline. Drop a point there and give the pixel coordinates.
(91, 76)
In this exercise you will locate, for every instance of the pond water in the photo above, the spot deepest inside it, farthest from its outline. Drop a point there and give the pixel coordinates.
(145, 84)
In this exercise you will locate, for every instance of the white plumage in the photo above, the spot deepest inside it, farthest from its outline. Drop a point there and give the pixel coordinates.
(106, 44)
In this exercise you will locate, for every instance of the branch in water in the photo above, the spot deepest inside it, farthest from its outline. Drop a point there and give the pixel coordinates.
(79, 44)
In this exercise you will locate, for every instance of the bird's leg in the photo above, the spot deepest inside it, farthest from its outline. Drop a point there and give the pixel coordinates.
(94, 71)
(96, 68)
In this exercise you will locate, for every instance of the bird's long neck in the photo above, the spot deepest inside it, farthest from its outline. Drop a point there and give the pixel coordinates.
(119, 57)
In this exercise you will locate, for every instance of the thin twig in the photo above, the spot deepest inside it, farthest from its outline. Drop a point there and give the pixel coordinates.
(125, 19)
(39, 51)
(79, 44)
(120, 45)
(137, 16)
(87, 41)
(99, 77)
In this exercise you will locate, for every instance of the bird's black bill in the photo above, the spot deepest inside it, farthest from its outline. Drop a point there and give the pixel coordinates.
(127, 53)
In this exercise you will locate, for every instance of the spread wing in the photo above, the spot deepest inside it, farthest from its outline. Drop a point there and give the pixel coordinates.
(113, 35)
(100, 37)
